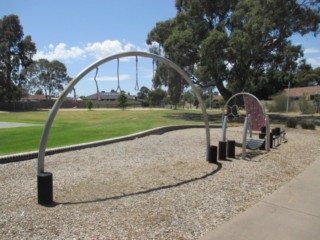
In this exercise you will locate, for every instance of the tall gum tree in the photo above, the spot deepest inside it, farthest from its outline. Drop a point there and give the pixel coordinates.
(16, 53)
(233, 43)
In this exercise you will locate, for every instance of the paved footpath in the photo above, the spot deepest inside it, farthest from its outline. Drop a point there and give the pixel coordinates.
(290, 213)
(15, 124)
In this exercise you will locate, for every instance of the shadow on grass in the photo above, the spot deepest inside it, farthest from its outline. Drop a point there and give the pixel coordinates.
(145, 191)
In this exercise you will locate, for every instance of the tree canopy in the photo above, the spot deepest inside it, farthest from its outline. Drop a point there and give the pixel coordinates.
(236, 44)
(49, 77)
(16, 52)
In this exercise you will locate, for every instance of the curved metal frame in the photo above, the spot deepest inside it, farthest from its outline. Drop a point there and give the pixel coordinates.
(248, 94)
(266, 117)
(71, 85)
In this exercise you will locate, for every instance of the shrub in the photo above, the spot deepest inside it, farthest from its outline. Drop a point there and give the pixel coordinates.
(291, 123)
(89, 104)
(279, 104)
(123, 100)
(306, 107)
(308, 125)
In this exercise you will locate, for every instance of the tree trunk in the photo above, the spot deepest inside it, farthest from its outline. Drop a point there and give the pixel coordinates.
(225, 93)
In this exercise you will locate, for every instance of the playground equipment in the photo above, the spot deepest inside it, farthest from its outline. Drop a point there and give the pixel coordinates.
(45, 185)
(95, 80)
(136, 87)
(255, 119)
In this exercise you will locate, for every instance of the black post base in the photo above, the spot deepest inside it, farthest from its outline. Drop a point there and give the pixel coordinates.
(213, 150)
(231, 148)
(45, 188)
(262, 136)
(222, 150)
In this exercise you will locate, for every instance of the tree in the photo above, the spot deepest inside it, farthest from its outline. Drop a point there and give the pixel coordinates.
(235, 41)
(15, 53)
(48, 76)
(307, 76)
(168, 77)
(157, 96)
(123, 100)
(143, 95)
(189, 97)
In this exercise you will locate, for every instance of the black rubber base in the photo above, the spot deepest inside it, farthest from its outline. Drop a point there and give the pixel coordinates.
(213, 150)
(45, 189)
(222, 150)
(231, 149)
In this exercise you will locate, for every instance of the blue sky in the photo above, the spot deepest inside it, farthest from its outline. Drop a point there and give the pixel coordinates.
(79, 32)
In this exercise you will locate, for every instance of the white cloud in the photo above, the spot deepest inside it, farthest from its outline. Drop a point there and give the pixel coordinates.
(97, 49)
(315, 62)
(107, 48)
(60, 52)
(311, 50)
(112, 78)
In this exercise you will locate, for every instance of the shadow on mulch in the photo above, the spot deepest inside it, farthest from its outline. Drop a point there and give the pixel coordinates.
(145, 191)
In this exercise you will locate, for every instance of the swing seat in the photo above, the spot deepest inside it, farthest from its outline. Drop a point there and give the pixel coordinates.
(254, 144)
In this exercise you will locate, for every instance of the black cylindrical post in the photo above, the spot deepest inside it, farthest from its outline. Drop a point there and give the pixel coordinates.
(231, 149)
(222, 150)
(45, 189)
(213, 150)
(271, 140)
(262, 136)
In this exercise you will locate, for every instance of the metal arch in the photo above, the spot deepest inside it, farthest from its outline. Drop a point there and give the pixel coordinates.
(83, 73)
(248, 94)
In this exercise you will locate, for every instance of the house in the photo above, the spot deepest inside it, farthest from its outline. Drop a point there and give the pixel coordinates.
(306, 92)
(107, 96)
(33, 98)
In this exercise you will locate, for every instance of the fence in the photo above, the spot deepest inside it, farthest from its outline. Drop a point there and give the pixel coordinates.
(47, 104)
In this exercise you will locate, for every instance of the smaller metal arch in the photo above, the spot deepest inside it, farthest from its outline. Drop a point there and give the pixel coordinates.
(248, 94)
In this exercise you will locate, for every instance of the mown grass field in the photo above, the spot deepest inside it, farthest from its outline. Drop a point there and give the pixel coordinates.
(80, 126)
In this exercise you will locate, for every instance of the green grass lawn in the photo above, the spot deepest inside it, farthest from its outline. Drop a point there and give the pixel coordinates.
(80, 126)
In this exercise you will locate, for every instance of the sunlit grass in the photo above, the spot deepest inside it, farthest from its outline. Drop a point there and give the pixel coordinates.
(80, 126)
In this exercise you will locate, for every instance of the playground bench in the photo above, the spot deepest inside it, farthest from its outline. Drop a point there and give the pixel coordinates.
(254, 144)
(279, 135)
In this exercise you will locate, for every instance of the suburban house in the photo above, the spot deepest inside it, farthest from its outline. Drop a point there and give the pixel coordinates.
(106, 96)
(33, 98)
(308, 93)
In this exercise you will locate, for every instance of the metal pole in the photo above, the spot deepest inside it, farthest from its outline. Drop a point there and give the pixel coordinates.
(267, 140)
(244, 138)
(224, 129)
(288, 97)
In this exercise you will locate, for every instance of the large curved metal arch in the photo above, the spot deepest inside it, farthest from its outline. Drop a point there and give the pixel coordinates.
(83, 73)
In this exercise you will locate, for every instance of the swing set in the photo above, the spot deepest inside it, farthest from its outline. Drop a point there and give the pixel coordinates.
(118, 89)
(45, 179)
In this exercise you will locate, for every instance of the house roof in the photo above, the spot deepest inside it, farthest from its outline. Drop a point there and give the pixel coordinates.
(302, 91)
(103, 95)
(33, 97)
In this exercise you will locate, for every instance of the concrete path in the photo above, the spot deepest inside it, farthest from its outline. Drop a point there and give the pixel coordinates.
(290, 213)
(15, 124)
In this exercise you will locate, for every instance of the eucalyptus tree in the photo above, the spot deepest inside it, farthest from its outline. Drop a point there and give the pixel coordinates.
(16, 52)
(49, 76)
(232, 43)
(170, 78)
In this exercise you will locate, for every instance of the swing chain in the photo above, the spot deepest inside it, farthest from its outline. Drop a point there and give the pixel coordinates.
(137, 81)
(118, 76)
(95, 80)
